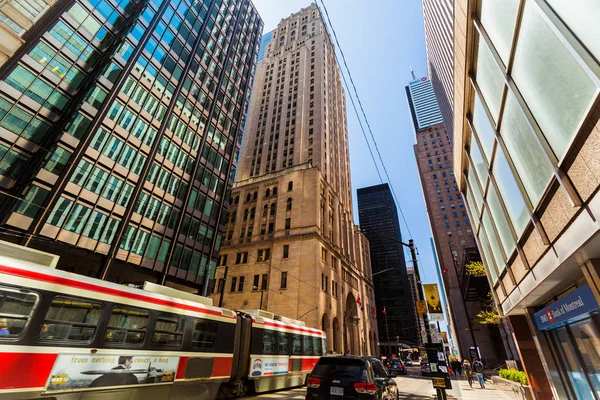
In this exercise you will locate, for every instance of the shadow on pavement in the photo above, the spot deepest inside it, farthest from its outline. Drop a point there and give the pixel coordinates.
(410, 396)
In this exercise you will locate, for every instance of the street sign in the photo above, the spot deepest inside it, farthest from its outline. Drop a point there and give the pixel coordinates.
(438, 367)
(421, 307)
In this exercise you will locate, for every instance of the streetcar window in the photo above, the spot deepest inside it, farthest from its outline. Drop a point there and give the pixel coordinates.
(297, 344)
(168, 330)
(318, 349)
(204, 334)
(282, 343)
(308, 345)
(269, 342)
(126, 326)
(71, 319)
(15, 310)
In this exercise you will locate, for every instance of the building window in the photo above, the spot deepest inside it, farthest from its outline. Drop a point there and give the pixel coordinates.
(288, 206)
(241, 284)
(286, 250)
(265, 282)
(288, 223)
(259, 256)
(233, 284)
(256, 281)
(283, 284)
(290, 186)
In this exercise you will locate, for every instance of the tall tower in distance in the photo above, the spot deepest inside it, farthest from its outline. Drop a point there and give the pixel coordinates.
(379, 220)
(291, 246)
(454, 243)
(438, 19)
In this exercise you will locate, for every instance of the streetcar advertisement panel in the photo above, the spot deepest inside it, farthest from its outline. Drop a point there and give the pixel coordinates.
(261, 366)
(79, 371)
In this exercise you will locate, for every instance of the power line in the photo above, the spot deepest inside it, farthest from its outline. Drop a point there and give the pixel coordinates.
(364, 116)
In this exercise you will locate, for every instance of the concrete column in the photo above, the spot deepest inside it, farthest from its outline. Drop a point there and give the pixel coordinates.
(532, 358)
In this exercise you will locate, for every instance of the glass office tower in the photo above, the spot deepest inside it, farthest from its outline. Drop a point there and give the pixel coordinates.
(120, 126)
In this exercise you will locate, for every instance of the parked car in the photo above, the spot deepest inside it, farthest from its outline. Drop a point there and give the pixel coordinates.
(396, 367)
(425, 369)
(408, 362)
(350, 377)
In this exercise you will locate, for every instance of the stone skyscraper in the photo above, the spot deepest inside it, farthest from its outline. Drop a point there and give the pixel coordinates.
(291, 246)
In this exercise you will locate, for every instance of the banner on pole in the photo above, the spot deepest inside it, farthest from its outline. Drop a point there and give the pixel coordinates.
(434, 304)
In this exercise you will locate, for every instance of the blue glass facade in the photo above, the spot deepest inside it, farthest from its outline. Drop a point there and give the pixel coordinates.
(266, 39)
(121, 126)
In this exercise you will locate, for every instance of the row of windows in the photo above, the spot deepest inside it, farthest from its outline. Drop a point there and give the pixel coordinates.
(281, 343)
(76, 320)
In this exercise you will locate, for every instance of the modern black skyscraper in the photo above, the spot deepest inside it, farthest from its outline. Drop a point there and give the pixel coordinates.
(120, 125)
(379, 219)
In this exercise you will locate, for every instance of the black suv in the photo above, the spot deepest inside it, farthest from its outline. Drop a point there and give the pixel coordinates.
(350, 377)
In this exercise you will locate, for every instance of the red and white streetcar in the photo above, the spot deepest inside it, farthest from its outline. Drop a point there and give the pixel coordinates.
(69, 337)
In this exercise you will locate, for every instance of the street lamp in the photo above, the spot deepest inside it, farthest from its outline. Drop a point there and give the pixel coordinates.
(261, 296)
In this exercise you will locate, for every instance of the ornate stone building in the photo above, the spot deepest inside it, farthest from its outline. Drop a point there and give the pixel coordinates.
(291, 246)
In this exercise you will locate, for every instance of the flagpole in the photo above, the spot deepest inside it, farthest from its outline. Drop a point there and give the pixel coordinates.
(387, 332)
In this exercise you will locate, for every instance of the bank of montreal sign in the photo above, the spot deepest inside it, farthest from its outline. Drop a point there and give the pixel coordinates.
(576, 305)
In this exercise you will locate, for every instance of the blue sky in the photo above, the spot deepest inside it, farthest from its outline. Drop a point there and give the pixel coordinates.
(381, 39)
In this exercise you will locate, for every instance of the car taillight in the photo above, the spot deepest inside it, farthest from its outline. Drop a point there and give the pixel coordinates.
(365, 387)
(313, 382)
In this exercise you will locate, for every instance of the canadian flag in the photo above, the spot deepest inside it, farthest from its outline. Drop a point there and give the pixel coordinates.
(360, 304)
(384, 312)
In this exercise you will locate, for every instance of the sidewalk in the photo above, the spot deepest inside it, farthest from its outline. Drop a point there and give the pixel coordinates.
(462, 391)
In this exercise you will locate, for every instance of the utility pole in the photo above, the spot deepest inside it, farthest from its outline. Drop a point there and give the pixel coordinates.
(413, 254)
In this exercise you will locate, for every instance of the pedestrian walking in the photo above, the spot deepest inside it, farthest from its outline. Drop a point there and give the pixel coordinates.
(478, 371)
(466, 366)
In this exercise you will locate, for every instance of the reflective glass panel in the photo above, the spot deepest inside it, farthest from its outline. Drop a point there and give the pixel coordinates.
(489, 78)
(582, 17)
(489, 259)
(500, 221)
(483, 126)
(556, 88)
(588, 343)
(574, 370)
(486, 220)
(510, 192)
(498, 19)
(526, 153)
(478, 163)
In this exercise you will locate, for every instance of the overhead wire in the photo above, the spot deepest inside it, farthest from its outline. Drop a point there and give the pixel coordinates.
(364, 115)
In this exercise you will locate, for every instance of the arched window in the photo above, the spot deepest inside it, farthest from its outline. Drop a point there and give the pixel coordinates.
(252, 212)
(266, 210)
(290, 186)
(273, 209)
(267, 192)
(237, 199)
(255, 196)
(275, 191)
(288, 206)
(248, 197)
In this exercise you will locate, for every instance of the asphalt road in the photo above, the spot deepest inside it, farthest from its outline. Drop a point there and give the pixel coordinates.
(412, 387)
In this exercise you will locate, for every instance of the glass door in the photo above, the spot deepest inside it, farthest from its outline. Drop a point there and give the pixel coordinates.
(574, 369)
(587, 338)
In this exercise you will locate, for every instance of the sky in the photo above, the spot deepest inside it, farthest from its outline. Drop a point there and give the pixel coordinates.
(381, 40)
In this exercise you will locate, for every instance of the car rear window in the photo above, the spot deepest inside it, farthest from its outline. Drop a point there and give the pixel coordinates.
(339, 367)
